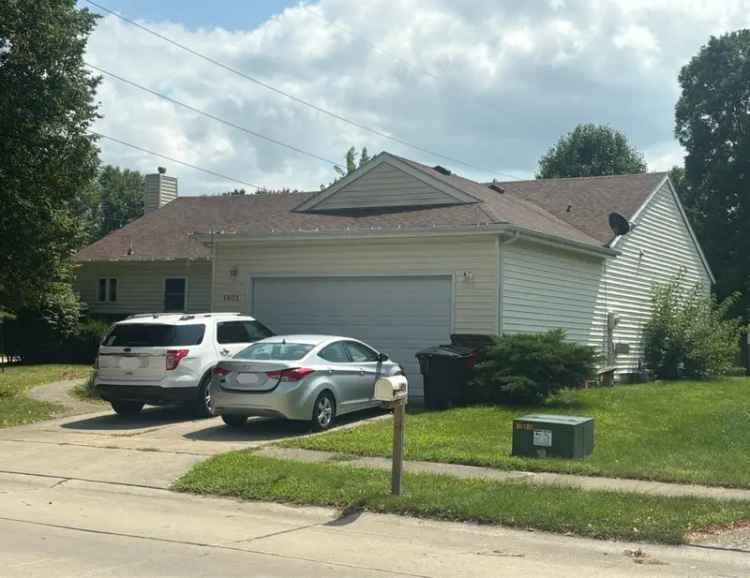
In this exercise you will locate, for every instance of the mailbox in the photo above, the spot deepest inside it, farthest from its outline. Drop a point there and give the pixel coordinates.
(391, 389)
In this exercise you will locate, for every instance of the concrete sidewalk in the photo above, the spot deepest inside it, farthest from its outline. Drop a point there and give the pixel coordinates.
(69, 528)
(542, 478)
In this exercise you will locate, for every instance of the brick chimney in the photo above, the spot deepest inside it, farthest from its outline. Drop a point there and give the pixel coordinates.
(158, 190)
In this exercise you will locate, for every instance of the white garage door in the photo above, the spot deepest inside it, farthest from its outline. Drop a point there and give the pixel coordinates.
(396, 315)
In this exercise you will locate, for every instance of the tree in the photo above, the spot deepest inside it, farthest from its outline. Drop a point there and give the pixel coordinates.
(352, 162)
(120, 198)
(47, 155)
(712, 122)
(108, 203)
(591, 151)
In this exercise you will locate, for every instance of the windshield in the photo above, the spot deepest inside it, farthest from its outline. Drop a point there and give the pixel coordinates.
(154, 335)
(275, 351)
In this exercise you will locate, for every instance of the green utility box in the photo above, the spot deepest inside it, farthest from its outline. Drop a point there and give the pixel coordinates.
(558, 436)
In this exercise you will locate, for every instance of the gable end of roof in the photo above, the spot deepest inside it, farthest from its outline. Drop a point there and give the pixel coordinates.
(386, 182)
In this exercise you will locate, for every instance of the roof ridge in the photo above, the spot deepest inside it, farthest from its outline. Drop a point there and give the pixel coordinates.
(257, 194)
(487, 210)
(591, 177)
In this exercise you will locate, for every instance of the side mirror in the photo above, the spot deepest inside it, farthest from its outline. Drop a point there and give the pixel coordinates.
(383, 357)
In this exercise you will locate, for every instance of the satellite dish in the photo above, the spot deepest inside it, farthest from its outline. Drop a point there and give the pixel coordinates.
(618, 224)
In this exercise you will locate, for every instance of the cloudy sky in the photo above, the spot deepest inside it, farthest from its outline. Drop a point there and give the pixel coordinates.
(491, 83)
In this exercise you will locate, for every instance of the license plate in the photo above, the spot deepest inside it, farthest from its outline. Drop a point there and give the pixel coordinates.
(248, 378)
(130, 362)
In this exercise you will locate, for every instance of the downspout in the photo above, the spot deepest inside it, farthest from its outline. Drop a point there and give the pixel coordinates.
(500, 272)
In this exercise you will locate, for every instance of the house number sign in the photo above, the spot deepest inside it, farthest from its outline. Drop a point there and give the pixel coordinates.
(231, 298)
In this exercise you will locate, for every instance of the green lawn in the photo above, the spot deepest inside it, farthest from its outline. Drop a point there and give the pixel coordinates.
(15, 407)
(596, 514)
(695, 432)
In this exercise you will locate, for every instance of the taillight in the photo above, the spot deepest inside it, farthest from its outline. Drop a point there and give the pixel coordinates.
(294, 374)
(221, 371)
(174, 356)
(471, 361)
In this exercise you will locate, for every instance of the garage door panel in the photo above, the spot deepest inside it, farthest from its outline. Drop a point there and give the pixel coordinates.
(397, 315)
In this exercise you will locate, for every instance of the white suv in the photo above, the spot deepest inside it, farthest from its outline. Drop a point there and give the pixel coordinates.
(160, 358)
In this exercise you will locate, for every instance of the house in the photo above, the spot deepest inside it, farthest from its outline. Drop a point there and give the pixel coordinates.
(153, 263)
(401, 255)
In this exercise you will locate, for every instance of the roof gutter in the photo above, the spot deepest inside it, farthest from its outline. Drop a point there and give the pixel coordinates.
(142, 260)
(481, 229)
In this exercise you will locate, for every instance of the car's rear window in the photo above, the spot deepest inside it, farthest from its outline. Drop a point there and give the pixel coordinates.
(154, 335)
(275, 351)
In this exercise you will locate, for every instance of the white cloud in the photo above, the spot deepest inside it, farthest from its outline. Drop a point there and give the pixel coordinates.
(494, 83)
(640, 42)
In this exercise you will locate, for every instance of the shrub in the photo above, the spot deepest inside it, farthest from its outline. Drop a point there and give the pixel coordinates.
(84, 345)
(689, 334)
(50, 331)
(527, 368)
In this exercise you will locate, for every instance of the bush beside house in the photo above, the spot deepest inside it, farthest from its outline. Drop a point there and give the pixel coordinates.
(689, 335)
(527, 368)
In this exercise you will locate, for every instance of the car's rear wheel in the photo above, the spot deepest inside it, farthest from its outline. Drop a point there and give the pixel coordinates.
(203, 404)
(234, 420)
(127, 407)
(324, 412)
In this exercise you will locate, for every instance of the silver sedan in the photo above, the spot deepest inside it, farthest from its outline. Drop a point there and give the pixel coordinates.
(300, 377)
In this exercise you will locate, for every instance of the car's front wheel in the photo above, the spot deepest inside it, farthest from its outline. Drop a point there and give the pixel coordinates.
(127, 407)
(324, 412)
(234, 420)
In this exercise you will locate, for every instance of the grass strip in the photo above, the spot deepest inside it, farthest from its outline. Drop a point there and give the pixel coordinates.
(684, 431)
(594, 514)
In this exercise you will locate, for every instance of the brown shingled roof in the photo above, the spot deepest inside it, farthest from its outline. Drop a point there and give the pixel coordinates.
(591, 199)
(539, 206)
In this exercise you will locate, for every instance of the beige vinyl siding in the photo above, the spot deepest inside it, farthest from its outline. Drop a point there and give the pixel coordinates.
(385, 186)
(475, 300)
(655, 251)
(546, 288)
(140, 285)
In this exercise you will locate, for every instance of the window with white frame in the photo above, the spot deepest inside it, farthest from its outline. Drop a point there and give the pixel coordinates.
(106, 290)
(175, 294)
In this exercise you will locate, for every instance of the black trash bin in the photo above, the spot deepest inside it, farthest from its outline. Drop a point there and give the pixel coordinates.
(445, 371)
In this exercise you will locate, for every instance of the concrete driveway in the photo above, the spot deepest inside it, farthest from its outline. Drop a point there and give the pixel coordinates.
(152, 449)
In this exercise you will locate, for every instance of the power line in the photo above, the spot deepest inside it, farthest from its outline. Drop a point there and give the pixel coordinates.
(174, 160)
(396, 59)
(286, 94)
(211, 116)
